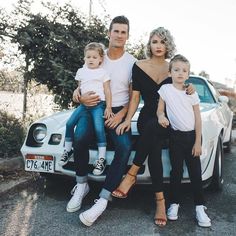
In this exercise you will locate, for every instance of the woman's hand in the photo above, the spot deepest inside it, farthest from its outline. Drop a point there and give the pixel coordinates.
(190, 89)
(123, 127)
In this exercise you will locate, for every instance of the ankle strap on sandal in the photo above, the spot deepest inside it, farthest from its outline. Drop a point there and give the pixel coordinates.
(131, 174)
(160, 199)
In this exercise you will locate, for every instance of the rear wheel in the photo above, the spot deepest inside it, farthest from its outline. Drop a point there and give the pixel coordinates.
(217, 178)
(227, 147)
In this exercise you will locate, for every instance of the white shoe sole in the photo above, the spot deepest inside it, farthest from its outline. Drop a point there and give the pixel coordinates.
(172, 217)
(97, 173)
(202, 224)
(62, 163)
(84, 221)
(71, 210)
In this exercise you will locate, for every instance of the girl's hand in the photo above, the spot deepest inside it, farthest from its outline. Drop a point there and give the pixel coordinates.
(123, 127)
(197, 150)
(112, 122)
(108, 113)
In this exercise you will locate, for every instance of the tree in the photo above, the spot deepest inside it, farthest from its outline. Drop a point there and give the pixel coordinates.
(53, 45)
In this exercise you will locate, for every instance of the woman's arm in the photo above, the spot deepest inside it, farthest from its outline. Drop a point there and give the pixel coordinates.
(133, 105)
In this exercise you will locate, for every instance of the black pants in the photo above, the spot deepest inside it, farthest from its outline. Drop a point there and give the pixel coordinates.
(181, 144)
(150, 144)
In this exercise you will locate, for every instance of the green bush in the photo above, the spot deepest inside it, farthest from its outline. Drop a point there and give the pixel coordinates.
(12, 135)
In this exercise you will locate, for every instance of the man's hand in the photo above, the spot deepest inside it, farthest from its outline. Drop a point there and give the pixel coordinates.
(114, 121)
(88, 99)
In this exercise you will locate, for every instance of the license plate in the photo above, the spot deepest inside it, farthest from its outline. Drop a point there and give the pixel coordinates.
(39, 163)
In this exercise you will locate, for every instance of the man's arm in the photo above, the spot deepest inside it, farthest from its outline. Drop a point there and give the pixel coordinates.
(88, 99)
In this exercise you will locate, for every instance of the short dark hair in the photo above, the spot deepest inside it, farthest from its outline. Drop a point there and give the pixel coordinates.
(119, 20)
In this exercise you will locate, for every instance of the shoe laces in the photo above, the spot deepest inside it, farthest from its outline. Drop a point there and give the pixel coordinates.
(100, 164)
(75, 191)
(65, 156)
(201, 212)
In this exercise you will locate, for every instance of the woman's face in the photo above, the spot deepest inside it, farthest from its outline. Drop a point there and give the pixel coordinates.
(158, 47)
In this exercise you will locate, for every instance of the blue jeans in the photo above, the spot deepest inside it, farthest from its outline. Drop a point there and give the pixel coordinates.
(84, 135)
(97, 113)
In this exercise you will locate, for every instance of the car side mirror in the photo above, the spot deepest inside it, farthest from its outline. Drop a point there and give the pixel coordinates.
(223, 99)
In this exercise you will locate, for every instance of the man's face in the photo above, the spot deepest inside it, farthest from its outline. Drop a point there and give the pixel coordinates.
(118, 35)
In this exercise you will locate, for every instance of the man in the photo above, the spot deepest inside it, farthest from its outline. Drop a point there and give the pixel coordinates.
(118, 63)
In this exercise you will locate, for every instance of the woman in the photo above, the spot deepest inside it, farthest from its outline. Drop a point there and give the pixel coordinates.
(147, 77)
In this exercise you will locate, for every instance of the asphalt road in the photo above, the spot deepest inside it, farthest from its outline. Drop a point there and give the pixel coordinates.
(39, 209)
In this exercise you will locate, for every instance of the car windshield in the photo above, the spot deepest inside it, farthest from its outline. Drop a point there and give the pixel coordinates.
(202, 89)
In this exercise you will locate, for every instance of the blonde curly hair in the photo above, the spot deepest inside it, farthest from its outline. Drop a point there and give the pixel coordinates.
(168, 39)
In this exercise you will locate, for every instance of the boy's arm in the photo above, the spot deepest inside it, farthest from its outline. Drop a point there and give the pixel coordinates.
(197, 150)
(162, 120)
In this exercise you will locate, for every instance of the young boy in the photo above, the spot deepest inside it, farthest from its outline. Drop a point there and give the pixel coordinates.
(185, 139)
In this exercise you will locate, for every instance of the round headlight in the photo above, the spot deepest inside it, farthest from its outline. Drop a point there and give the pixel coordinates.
(39, 133)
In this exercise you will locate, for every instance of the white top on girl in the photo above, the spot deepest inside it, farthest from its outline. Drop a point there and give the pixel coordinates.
(92, 80)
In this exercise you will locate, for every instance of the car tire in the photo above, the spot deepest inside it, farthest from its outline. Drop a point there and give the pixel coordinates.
(227, 145)
(217, 178)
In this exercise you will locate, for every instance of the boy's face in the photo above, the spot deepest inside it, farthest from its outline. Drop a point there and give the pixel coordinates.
(118, 35)
(92, 59)
(179, 71)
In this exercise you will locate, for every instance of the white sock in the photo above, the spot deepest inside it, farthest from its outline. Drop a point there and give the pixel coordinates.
(68, 146)
(102, 152)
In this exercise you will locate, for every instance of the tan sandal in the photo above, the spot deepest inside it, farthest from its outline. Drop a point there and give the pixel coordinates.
(120, 194)
(162, 219)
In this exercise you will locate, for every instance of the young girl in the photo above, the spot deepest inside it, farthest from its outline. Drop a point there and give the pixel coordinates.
(184, 122)
(91, 78)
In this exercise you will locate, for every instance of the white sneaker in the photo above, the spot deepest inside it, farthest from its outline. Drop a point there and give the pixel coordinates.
(172, 212)
(100, 166)
(90, 216)
(201, 216)
(78, 192)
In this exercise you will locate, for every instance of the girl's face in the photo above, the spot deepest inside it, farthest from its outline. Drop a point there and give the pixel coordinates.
(158, 47)
(92, 59)
(179, 72)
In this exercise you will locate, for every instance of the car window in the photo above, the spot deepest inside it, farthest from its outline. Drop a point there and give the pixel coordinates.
(202, 89)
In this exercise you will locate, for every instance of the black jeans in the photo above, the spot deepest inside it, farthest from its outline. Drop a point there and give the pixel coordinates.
(181, 144)
(150, 144)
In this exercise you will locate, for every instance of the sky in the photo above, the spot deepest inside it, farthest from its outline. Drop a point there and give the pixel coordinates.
(204, 30)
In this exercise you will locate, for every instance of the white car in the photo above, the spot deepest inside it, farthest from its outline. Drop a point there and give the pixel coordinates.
(43, 145)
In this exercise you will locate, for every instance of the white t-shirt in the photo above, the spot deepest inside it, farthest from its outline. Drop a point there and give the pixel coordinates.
(120, 73)
(179, 107)
(92, 80)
